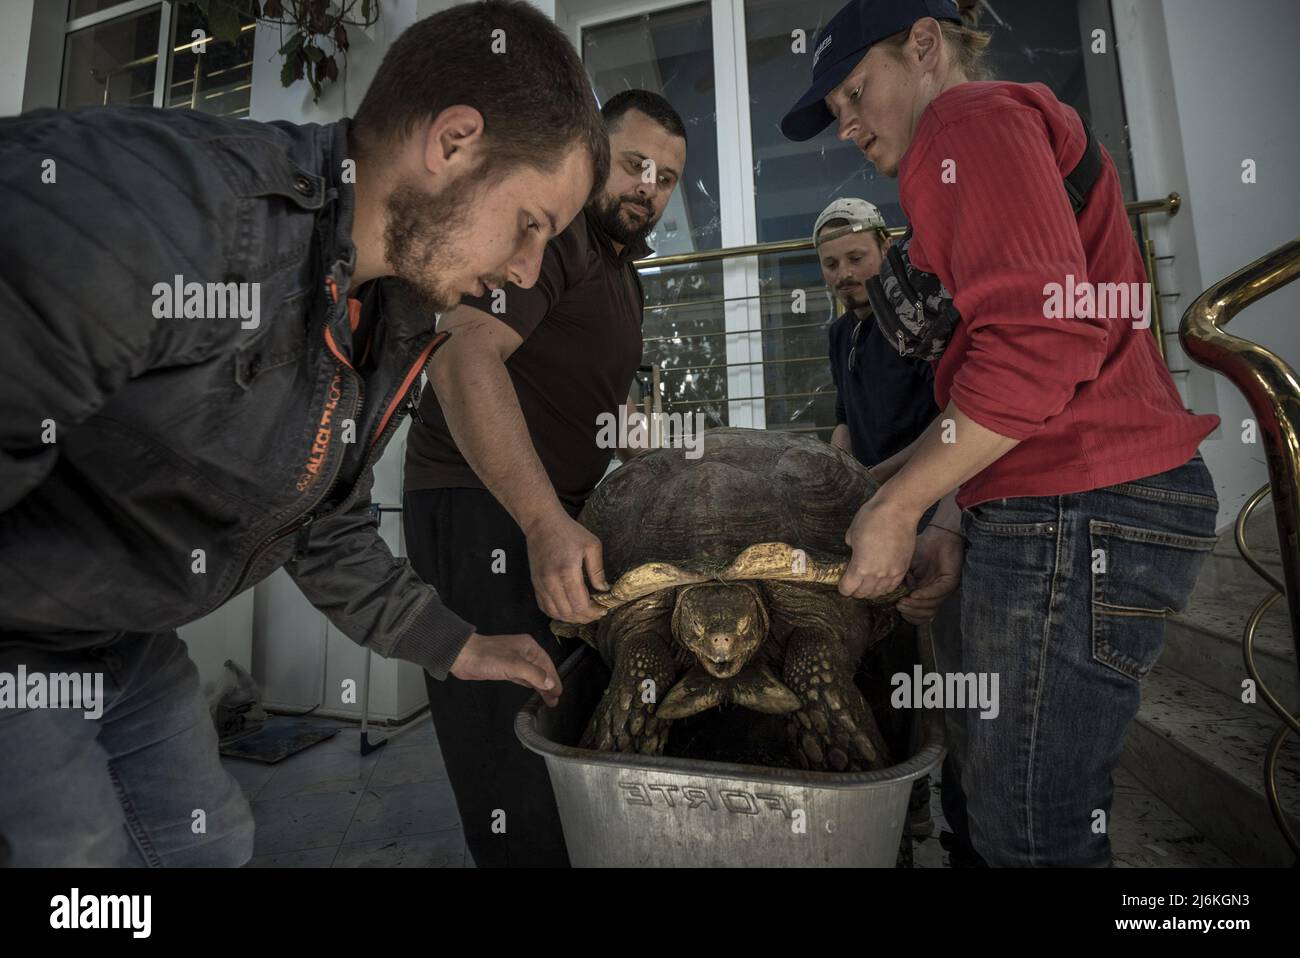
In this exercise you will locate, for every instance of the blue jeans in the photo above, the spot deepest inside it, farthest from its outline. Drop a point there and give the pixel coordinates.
(121, 789)
(1065, 599)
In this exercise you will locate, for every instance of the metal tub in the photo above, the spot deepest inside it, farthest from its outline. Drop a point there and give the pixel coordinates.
(622, 810)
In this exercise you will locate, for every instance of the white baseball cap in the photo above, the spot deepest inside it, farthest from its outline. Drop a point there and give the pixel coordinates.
(860, 214)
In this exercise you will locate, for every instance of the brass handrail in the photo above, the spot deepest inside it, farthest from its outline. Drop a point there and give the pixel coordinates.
(1268, 383)
(819, 358)
(1170, 204)
(821, 324)
(782, 295)
(698, 401)
(1272, 389)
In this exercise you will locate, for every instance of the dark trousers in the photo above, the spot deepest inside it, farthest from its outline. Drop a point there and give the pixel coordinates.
(464, 544)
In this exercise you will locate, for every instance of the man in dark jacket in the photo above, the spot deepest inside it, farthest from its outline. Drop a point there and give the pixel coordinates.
(883, 401)
(202, 365)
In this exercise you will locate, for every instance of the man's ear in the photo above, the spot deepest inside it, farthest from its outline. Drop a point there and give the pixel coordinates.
(928, 37)
(886, 242)
(453, 138)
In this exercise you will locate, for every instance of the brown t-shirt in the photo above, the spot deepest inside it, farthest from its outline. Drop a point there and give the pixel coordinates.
(581, 330)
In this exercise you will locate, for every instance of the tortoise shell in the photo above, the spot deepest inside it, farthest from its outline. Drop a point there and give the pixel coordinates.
(748, 486)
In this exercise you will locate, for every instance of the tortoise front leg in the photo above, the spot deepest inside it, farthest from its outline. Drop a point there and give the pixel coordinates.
(625, 720)
(835, 730)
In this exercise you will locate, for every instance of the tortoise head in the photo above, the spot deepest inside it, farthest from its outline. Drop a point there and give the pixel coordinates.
(723, 624)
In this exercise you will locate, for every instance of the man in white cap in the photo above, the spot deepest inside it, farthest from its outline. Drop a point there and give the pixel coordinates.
(883, 401)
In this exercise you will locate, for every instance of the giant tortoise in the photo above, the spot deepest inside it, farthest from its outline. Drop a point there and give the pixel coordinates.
(724, 570)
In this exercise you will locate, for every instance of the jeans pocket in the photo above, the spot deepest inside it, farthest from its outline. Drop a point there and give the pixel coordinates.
(1139, 577)
(1012, 517)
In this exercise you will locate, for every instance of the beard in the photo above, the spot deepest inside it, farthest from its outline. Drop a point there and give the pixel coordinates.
(421, 231)
(857, 299)
(608, 211)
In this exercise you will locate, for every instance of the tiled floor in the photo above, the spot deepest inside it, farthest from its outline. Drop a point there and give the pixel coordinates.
(329, 806)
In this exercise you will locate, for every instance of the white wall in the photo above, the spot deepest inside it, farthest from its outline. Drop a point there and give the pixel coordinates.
(15, 35)
(225, 634)
(271, 101)
(1208, 85)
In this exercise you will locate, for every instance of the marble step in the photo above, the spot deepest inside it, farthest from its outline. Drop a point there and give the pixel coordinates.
(1204, 642)
(1227, 569)
(1202, 752)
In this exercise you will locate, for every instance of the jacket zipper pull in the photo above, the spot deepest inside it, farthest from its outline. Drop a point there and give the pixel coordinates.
(300, 543)
(413, 401)
(414, 408)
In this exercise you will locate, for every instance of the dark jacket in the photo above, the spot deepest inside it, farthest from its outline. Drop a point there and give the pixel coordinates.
(190, 458)
(887, 400)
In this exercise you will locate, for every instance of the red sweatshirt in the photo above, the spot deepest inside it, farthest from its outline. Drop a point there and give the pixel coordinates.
(1088, 395)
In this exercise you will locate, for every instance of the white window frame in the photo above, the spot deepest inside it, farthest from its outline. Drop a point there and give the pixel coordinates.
(743, 313)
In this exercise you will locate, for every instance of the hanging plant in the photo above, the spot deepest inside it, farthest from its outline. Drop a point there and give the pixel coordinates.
(317, 30)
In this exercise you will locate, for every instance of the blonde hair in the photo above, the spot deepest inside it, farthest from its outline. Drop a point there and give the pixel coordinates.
(966, 43)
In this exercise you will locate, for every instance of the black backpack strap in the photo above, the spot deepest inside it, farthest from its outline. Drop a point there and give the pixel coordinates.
(1079, 181)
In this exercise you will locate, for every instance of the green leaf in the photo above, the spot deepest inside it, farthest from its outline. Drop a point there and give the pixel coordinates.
(292, 44)
(223, 21)
(288, 72)
(314, 53)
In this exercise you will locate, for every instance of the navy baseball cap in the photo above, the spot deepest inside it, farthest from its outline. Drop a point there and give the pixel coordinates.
(842, 44)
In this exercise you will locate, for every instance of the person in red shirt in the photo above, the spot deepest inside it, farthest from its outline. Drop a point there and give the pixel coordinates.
(1063, 453)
